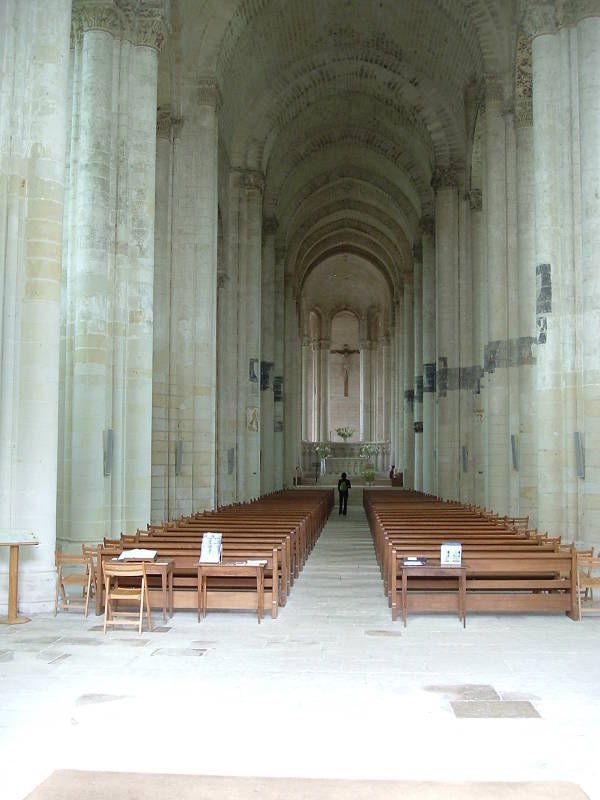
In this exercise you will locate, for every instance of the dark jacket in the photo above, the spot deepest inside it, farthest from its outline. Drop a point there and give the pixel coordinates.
(348, 484)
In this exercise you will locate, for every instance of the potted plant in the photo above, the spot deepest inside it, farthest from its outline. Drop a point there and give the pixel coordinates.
(322, 449)
(367, 451)
(344, 432)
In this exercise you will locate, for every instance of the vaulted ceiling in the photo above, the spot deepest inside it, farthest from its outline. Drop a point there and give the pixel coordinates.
(346, 106)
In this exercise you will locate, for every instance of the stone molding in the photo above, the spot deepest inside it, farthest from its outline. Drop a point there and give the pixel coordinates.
(252, 179)
(523, 69)
(444, 178)
(524, 113)
(494, 89)
(270, 226)
(208, 93)
(585, 8)
(123, 19)
(427, 226)
(164, 124)
(418, 252)
(539, 18)
(476, 199)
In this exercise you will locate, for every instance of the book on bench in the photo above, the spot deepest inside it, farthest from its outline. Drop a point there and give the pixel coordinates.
(414, 561)
(138, 554)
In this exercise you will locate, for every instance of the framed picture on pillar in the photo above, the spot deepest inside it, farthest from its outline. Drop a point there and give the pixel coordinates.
(252, 419)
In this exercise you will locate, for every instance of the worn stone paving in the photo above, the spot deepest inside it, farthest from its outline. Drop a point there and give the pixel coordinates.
(332, 688)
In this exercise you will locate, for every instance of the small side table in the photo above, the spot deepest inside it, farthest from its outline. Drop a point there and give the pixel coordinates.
(231, 569)
(438, 571)
(14, 539)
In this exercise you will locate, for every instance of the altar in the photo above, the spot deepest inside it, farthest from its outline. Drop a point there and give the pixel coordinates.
(345, 457)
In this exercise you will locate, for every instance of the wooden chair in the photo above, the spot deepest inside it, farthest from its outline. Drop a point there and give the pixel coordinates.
(113, 572)
(588, 578)
(72, 570)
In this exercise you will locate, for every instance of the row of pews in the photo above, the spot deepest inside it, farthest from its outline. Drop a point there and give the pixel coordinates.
(509, 567)
(280, 528)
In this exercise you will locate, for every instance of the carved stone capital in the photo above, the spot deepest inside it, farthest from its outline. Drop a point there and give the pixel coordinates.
(444, 177)
(524, 113)
(476, 199)
(208, 93)
(494, 89)
(523, 69)
(270, 226)
(97, 15)
(164, 124)
(585, 8)
(252, 179)
(149, 29)
(427, 226)
(539, 17)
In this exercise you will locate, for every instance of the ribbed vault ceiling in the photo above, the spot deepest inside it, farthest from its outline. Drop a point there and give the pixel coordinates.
(346, 106)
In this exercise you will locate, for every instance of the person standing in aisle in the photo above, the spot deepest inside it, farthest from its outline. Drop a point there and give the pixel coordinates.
(344, 487)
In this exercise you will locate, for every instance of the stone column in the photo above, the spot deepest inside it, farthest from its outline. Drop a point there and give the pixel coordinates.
(307, 388)
(546, 77)
(323, 396)
(418, 364)
(479, 323)
(291, 452)
(527, 450)
(497, 354)
(428, 362)
(34, 39)
(588, 51)
(447, 331)
(365, 390)
(161, 305)
(466, 481)
(250, 296)
(409, 382)
(387, 380)
(267, 405)
(278, 351)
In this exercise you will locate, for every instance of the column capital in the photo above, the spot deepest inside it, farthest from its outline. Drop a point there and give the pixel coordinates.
(252, 179)
(324, 344)
(444, 177)
(270, 226)
(583, 8)
(148, 27)
(476, 199)
(524, 113)
(365, 344)
(427, 226)
(539, 18)
(96, 15)
(164, 123)
(208, 93)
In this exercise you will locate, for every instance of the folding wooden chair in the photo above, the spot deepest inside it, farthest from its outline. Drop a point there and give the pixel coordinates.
(113, 572)
(72, 570)
(588, 578)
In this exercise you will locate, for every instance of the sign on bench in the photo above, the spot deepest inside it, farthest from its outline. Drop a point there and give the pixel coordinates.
(451, 554)
(212, 548)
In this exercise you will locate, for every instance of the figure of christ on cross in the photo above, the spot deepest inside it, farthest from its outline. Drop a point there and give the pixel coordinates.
(345, 353)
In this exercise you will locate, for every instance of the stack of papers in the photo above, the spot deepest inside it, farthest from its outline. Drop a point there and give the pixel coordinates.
(137, 555)
(414, 561)
(212, 548)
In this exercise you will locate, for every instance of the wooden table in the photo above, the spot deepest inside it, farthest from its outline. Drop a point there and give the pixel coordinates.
(166, 570)
(230, 569)
(14, 539)
(438, 571)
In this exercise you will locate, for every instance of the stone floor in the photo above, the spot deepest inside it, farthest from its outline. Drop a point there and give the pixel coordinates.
(332, 688)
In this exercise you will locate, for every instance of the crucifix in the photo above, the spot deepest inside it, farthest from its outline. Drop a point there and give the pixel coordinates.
(345, 353)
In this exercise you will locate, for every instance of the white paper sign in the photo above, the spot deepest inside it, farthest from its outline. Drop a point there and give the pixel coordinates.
(212, 548)
(451, 554)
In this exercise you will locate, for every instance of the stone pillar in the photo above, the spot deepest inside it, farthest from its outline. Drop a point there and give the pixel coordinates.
(291, 451)
(249, 289)
(588, 51)
(278, 438)
(447, 332)
(546, 77)
(409, 382)
(34, 39)
(267, 404)
(323, 395)
(418, 364)
(497, 347)
(387, 380)
(465, 388)
(398, 447)
(478, 322)
(227, 385)
(161, 305)
(428, 358)
(526, 445)
(307, 388)
(365, 390)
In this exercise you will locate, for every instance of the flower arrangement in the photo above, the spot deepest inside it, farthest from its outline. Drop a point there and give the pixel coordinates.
(344, 432)
(369, 449)
(322, 449)
(368, 473)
